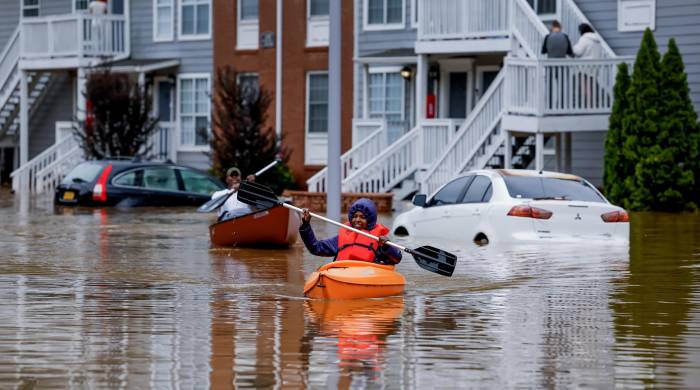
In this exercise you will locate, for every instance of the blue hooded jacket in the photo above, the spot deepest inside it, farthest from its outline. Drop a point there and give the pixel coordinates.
(329, 247)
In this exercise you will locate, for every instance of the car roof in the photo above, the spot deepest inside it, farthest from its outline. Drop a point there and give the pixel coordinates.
(526, 173)
(123, 164)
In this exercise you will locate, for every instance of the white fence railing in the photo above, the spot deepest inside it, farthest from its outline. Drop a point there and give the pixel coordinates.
(462, 19)
(31, 176)
(414, 150)
(561, 87)
(470, 137)
(162, 143)
(74, 35)
(9, 58)
(367, 146)
(571, 17)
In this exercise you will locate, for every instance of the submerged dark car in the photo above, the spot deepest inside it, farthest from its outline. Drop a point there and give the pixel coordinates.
(132, 183)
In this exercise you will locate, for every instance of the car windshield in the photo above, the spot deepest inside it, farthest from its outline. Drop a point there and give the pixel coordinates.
(83, 173)
(541, 188)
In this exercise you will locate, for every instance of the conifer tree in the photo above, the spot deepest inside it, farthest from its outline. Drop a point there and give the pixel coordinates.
(642, 122)
(241, 137)
(617, 167)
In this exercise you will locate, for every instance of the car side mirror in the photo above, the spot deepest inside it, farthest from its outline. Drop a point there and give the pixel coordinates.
(419, 200)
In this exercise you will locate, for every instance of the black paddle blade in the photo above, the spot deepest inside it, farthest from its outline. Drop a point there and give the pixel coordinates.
(434, 260)
(213, 204)
(257, 195)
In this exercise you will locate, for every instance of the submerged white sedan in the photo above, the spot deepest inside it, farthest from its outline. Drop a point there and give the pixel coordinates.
(487, 206)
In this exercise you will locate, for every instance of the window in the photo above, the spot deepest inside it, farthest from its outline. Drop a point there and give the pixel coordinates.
(317, 23)
(248, 83)
(130, 179)
(30, 8)
(194, 110)
(160, 179)
(477, 189)
(163, 16)
(317, 103)
(194, 19)
(636, 15)
(247, 26)
(530, 187)
(451, 192)
(80, 5)
(544, 7)
(386, 98)
(83, 173)
(198, 183)
(383, 14)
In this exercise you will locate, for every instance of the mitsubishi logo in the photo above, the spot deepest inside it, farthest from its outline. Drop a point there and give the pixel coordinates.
(578, 217)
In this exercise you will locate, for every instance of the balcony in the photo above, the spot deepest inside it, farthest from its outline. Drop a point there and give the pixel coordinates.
(446, 26)
(74, 40)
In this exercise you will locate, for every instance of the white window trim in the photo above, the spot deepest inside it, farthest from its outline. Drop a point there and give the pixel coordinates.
(386, 70)
(308, 135)
(246, 23)
(188, 76)
(23, 7)
(414, 13)
(194, 37)
(620, 25)
(171, 36)
(75, 10)
(382, 27)
(316, 19)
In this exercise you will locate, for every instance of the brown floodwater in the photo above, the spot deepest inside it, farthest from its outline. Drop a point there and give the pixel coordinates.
(135, 298)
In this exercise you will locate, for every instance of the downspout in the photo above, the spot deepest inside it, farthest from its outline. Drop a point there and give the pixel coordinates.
(278, 74)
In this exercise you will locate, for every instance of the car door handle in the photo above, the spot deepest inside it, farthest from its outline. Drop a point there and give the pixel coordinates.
(476, 212)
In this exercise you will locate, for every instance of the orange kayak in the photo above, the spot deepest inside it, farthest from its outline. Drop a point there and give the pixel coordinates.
(349, 279)
(276, 226)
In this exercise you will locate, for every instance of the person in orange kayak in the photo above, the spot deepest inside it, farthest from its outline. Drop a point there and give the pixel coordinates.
(348, 245)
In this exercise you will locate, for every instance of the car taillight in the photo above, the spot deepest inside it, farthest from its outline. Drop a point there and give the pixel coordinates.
(615, 216)
(99, 191)
(529, 212)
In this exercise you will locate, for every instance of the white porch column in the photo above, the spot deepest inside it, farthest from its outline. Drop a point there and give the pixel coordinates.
(539, 151)
(508, 155)
(81, 101)
(421, 87)
(23, 117)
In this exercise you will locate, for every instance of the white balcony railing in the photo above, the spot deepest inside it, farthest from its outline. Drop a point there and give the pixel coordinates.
(74, 35)
(370, 139)
(561, 87)
(462, 19)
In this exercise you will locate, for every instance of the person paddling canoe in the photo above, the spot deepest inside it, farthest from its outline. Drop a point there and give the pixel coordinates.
(348, 245)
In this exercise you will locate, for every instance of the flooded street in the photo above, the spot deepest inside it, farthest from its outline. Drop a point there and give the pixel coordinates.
(135, 298)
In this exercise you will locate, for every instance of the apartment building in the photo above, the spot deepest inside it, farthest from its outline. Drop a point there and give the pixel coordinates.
(249, 36)
(444, 86)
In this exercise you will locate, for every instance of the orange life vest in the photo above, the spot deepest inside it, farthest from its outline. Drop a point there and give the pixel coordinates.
(353, 246)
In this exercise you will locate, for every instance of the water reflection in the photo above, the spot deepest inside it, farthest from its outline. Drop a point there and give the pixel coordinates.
(95, 298)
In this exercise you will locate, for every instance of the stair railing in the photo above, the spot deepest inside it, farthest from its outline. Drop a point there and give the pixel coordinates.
(25, 177)
(476, 130)
(9, 76)
(527, 27)
(413, 151)
(361, 153)
(571, 16)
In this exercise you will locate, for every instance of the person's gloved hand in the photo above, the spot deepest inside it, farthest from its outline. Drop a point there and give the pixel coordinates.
(305, 216)
(383, 240)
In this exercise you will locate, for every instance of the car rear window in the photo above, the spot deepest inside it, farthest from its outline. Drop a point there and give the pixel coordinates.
(529, 187)
(84, 173)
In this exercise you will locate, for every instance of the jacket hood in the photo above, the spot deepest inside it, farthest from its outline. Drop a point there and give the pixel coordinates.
(366, 207)
(591, 36)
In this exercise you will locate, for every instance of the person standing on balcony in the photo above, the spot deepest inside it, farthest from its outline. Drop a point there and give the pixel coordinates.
(557, 44)
(588, 46)
(97, 7)
(97, 26)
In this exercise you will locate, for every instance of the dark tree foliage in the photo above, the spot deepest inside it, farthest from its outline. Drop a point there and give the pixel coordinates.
(240, 135)
(656, 123)
(617, 167)
(118, 121)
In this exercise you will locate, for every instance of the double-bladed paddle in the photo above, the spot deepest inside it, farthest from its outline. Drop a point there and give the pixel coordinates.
(427, 257)
(215, 203)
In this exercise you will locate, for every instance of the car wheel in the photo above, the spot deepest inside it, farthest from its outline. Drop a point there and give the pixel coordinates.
(401, 231)
(481, 239)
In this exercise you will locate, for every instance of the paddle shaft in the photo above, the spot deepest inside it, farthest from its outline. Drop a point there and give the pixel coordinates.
(266, 167)
(340, 225)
